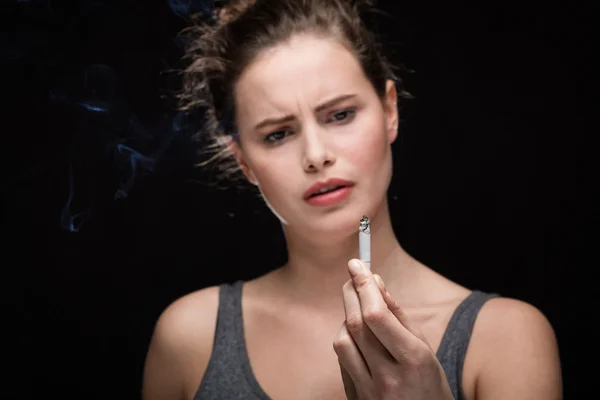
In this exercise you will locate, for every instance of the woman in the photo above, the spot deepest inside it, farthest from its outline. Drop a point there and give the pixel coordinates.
(299, 96)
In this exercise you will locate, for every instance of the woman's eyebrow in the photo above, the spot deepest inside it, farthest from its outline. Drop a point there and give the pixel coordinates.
(334, 101)
(288, 118)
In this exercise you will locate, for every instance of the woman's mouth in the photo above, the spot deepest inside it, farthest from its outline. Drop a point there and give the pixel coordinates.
(329, 196)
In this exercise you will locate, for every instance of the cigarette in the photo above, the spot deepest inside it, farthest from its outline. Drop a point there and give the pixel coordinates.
(364, 241)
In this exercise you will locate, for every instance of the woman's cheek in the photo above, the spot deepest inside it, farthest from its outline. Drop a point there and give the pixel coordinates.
(275, 182)
(365, 151)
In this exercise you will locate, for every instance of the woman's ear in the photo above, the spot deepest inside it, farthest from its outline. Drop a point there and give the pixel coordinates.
(391, 110)
(238, 154)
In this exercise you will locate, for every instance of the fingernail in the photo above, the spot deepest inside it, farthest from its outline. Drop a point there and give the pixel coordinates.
(356, 267)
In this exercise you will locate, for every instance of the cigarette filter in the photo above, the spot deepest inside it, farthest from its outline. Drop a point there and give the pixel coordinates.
(364, 241)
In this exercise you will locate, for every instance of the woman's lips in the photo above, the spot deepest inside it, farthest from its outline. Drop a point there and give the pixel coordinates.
(330, 198)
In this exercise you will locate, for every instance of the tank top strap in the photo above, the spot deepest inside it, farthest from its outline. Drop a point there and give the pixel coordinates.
(228, 374)
(227, 332)
(455, 341)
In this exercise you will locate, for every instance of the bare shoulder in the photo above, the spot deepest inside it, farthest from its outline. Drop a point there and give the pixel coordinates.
(514, 323)
(189, 317)
(515, 351)
(181, 345)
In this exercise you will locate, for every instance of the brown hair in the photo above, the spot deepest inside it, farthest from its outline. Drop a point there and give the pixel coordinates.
(220, 52)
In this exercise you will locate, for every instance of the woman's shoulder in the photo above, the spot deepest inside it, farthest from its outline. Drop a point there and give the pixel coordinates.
(501, 321)
(185, 311)
(512, 322)
(182, 343)
(189, 318)
(513, 341)
(512, 348)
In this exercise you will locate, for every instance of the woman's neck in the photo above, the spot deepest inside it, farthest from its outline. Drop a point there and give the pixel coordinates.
(317, 270)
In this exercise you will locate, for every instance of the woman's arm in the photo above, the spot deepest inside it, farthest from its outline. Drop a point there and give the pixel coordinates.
(516, 352)
(162, 370)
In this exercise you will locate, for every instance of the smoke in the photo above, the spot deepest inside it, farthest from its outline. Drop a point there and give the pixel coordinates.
(185, 8)
(105, 68)
(136, 161)
(70, 220)
(108, 130)
(77, 53)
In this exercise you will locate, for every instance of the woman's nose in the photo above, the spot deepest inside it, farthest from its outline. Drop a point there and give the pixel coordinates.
(317, 152)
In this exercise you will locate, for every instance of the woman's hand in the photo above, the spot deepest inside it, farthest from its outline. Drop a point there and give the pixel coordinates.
(381, 355)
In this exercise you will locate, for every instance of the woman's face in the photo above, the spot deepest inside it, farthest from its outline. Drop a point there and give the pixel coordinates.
(306, 113)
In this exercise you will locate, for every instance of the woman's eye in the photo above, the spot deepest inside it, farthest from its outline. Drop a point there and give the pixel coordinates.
(343, 115)
(275, 136)
(340, 116)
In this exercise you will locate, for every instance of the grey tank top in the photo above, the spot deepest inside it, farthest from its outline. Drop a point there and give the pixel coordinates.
(229, 374)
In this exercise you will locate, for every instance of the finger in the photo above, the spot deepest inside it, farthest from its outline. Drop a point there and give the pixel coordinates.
(380, 283)
(351, 359)
(391, 303)
(373, 352)
(395, 308)
(349, 387)
(383, 323)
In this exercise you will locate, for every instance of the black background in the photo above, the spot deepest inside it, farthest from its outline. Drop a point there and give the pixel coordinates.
(485, 187)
